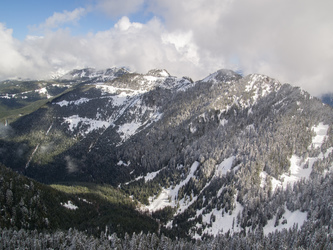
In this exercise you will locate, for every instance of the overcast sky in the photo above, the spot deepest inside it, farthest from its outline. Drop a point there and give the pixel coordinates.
(291, 41)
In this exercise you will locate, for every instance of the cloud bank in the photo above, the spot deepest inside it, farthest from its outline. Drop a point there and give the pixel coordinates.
(116, 8)
(291, 41)
(59, 19)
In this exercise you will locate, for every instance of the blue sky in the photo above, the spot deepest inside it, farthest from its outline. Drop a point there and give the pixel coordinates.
(291, 41)
(19, 14)
(22, 15)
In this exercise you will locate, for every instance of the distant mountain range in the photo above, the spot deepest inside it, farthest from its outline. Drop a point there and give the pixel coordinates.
(227, 154)
(327, 99)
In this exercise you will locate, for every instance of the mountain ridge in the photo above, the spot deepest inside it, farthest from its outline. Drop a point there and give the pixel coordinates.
(202, 154)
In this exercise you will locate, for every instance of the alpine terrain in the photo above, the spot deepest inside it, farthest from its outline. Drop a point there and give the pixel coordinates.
(229, 161)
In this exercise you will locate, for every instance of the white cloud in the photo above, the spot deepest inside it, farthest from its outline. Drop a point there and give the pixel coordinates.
(124, 24)
(183, 43)
(289, 40)
(116, 8)
(140, 47)
(11, 59)
(58, 19)
(38, 57)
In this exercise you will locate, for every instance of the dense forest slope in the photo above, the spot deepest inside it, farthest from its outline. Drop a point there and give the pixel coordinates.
(227, 154)
(27, 204)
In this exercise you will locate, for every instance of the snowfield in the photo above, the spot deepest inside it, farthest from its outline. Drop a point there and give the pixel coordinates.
(160, 202)
(220, 224)
(169, 196)
(74, 121)
(128, 100)
(301, 168)
(128, 129)
(321, 134)
(288, 220)
(224, 167)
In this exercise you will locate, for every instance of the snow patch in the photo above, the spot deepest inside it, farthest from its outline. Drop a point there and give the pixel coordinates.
(121, 163)
(164, 73)
(249, 112)
(159, 202)
(69, 205)
(260, 85)
(74, 121)
(298, 170)
(119, 100)
(301, 168)
(275, 183)
(169, 197)
(223, 122)
(221, 224)
(43, 91)
(184, 84)
(84, 200)
(128, 129)
(250, 84)
(76, 102)
(328, 152)
(224, 167)
(148, 177)
(287, 221)
(321, 134)
(151, 176)
(107, 89)
(193, 128)
(7, 96)
(151, 79)
(211, 77)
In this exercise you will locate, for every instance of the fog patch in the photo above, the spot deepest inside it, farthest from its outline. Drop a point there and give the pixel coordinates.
(22, 149)
(71, 164)
(6, 131)
(45, 148)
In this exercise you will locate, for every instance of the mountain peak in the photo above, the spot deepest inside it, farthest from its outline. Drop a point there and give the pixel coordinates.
(223, 75)
(259, 80)
(158, 73)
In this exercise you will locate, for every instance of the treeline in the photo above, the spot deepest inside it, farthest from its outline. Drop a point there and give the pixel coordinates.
(311, 236)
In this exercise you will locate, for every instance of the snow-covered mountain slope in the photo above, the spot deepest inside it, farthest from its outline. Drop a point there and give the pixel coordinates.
(122, 104)
(90, 74)
(227, 153)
